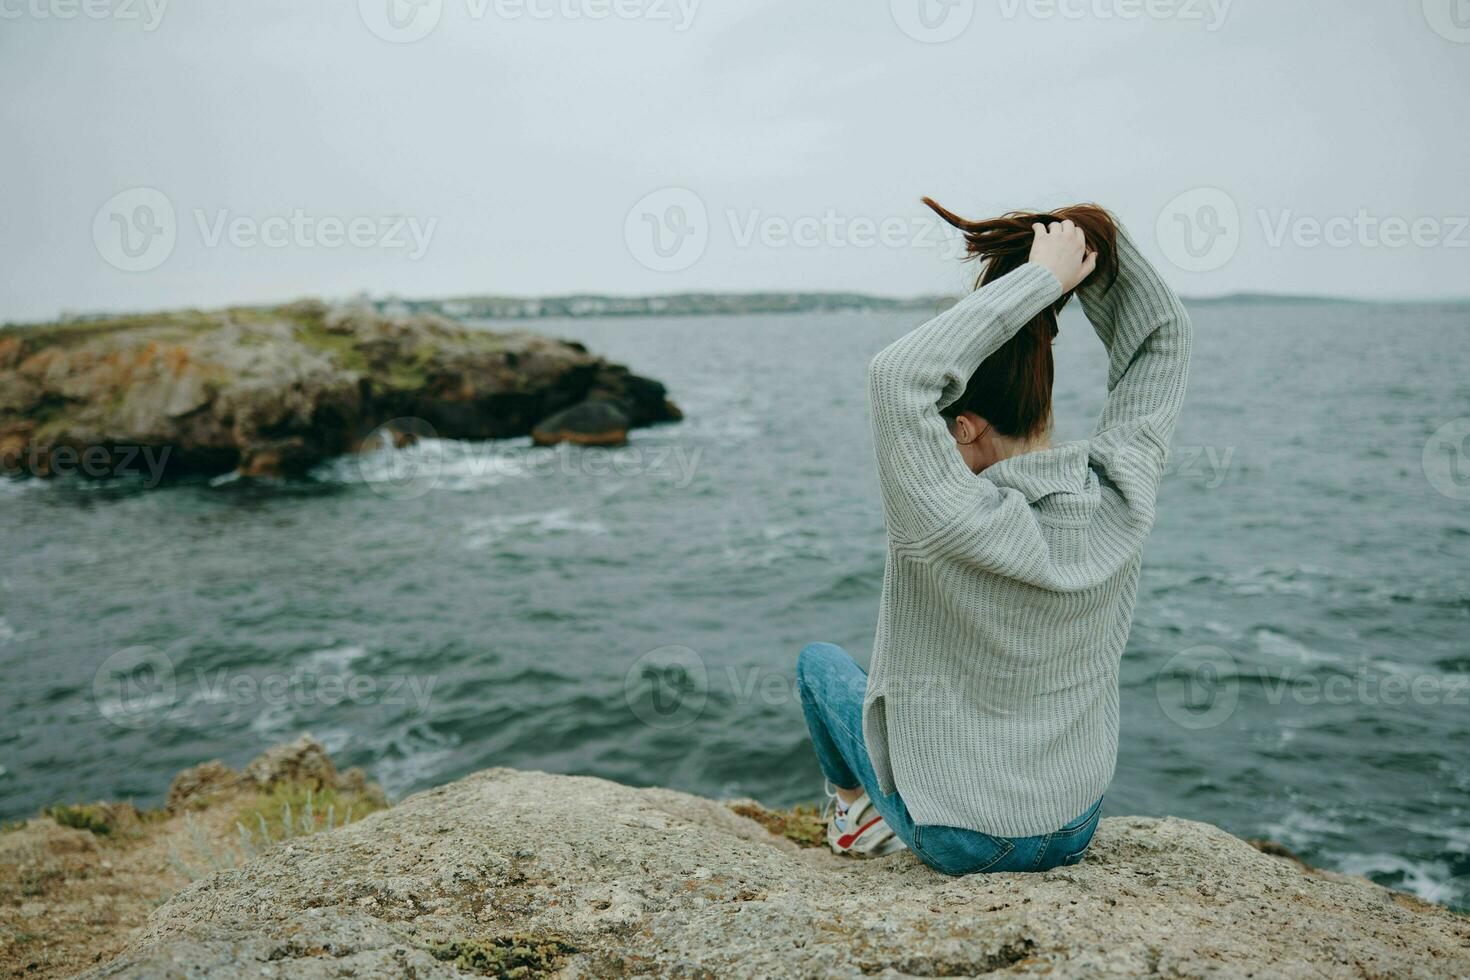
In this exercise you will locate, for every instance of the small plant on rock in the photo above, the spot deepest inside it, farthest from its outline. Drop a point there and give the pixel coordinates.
(519, 956)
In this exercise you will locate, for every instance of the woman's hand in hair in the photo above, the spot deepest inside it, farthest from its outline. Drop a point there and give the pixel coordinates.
(1061, 249)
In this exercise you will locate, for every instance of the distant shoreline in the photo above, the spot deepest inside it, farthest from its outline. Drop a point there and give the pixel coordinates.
(596, 305)
(717, 304)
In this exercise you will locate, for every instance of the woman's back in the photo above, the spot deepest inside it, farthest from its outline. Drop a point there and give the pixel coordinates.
(1008, 595)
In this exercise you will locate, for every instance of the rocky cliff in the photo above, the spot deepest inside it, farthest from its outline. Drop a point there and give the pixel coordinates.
(275, 391)
(523, 874)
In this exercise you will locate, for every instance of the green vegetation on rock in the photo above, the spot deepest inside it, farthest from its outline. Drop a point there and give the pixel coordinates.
(518, 956)
(301, 808)
(802, 824)
(82, 816)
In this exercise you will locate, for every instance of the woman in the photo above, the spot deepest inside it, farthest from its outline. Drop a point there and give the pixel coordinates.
(987, 732)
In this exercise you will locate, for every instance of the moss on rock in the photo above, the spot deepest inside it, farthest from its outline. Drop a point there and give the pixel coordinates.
(518, 956)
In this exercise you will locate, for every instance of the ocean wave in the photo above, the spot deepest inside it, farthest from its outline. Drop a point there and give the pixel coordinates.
(407, 759)
(447, 464)
(334, 659)
(1430, 880)
(486, 531)
(1278, 646)
(14, 486)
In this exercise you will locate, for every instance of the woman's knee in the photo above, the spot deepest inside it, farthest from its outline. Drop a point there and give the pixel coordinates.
(817, 658)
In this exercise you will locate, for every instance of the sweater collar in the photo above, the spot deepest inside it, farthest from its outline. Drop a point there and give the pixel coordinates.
(1060, 469)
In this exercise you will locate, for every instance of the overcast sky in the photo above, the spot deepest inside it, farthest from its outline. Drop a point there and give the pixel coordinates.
(440, 147)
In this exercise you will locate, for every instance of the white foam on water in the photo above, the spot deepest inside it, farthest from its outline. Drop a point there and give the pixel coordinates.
(1298, 829)
(407, 758)
(485, 531)
(470, 466)
(438, 464)
(7, 632)
(334, 740)
(399, 776)
(1279, 646)
(1282, 647)
(63, 553)
(335, 658)
(720, 426)
(273, 719)
(1282, 579)
(1457, 837)
(1430, 880)
(15, 485)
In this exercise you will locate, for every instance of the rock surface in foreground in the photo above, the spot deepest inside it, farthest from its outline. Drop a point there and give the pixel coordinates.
(276, 391)
(583, 877)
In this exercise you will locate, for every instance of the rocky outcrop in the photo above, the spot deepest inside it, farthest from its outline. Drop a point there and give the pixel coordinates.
(594, 422)
(303, 762)
(275, 391)
(79, 879)
(525, 874)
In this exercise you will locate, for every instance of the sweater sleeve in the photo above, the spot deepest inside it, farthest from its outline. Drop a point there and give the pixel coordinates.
(1148, 337)
(926, 486)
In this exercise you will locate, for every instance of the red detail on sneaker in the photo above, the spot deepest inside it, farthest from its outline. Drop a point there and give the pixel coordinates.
(847, 840)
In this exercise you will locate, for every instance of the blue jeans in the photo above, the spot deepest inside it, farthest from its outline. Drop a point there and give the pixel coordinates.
(832, 687)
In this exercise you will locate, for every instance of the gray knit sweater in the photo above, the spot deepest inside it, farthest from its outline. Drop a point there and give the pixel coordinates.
(992, 702)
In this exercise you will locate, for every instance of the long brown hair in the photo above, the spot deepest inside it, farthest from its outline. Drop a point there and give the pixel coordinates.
(1012, 387)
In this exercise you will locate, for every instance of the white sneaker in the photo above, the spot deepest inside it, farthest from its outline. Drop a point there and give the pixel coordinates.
(857, 829)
